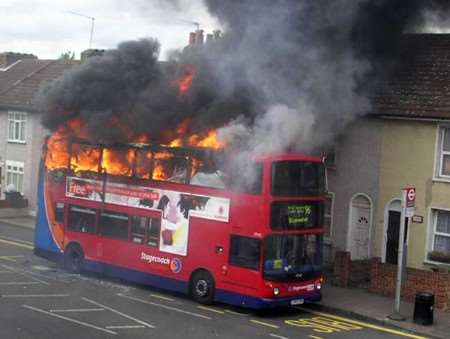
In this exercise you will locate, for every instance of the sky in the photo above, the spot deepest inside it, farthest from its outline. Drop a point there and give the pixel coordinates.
(48, 28)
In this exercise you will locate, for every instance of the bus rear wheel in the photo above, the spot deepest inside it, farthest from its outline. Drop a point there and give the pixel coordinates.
(73, 258)
(202, 287)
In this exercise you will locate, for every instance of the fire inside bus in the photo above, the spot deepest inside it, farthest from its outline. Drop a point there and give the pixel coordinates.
(172, 218)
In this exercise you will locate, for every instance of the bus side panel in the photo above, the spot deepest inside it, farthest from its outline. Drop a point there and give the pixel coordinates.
(44, 243)
(135, 276)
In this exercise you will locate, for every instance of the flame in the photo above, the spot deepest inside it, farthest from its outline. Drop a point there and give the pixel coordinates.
(118, 162)
(85, 158)
(209, 141)
(140, 162)
(57, 153)
(184, 82)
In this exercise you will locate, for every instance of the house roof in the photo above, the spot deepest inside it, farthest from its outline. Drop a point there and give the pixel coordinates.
(420, 87)
(20, 82)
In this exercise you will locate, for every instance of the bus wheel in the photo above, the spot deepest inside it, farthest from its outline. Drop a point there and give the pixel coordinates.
(73, 258)
(202, 287)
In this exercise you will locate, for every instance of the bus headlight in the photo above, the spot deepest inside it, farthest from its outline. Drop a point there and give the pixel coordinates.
(276, 291)
(318, 286)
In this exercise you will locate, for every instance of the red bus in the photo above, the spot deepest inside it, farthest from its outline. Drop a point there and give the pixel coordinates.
(170, 218)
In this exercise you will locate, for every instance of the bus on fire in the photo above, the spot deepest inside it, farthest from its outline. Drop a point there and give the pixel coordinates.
(169, 217)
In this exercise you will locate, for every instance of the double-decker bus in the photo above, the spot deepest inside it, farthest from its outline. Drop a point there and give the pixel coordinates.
(247, 235)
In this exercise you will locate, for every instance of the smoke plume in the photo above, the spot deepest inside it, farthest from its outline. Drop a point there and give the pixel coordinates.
(286, 74)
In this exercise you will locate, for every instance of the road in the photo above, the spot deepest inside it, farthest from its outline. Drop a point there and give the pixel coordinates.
(40, 300)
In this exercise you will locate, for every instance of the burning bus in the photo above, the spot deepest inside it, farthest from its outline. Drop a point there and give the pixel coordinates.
(185, 218)
(169, 203)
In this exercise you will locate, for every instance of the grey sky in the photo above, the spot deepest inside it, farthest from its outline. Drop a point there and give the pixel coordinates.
(47, 29)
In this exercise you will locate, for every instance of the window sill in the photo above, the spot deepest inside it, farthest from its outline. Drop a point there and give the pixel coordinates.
(436, 264)
(17, 142)
(441, 180)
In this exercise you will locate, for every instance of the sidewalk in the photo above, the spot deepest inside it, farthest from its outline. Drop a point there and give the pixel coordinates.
(25, 221)
(371, 307)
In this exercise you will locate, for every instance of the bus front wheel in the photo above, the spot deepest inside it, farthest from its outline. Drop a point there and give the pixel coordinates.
(202, 287)
(73, 258)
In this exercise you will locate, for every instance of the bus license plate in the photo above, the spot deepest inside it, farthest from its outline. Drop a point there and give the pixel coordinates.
(297, 302)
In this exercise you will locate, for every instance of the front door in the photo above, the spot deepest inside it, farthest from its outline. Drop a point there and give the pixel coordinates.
(393, 233)
(360, 232)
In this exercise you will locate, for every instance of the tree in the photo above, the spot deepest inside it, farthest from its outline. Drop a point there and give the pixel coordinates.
(69, 56)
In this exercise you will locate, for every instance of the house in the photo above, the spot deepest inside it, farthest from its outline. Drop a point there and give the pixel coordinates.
(404, 143)
(21, 133)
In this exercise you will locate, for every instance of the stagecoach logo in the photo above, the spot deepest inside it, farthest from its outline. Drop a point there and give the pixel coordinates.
(153, 259)
(175, 265)
(308, 288)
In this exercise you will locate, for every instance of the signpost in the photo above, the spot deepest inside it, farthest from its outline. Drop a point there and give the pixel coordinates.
(408, 207)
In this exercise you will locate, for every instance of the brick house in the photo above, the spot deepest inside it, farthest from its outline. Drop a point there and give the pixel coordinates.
(405, 142)
(21, 133)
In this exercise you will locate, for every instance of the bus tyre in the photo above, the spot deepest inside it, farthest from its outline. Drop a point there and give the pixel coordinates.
(202, 287)
(73, 258)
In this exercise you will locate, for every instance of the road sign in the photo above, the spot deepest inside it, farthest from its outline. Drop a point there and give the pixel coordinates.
(410, 201)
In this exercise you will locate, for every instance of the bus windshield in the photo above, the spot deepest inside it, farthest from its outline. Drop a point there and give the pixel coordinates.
(292, 257)
(295, 178)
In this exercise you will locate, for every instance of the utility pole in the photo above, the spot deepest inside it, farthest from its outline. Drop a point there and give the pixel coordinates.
(91, 35)
(408, 207)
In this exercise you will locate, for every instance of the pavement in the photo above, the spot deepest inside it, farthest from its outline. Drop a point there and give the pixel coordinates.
(352, 302)
(361, 304)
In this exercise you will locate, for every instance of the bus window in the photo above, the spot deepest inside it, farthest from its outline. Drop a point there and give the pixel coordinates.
(82, 219)
(153, 231)
(143, 164)
(168, 167)
(85, 158)
(114, 225)
(292, 257)
(118, 161)
(245, 252)
(207, 174)
(246, 177)
(138, 226)
(294, 178)
(59, 212)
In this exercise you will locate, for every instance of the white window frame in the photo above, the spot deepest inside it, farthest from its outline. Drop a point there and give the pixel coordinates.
(331, 150)
(435, 212)
(327, 239)
(16, 120)
(9, 164)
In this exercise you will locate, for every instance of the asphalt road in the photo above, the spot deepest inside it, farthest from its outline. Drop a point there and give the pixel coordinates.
(40, 300)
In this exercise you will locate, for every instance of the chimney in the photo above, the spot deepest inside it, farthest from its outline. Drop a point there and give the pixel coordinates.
(88, 53)
(192, 39)
(217, 34)
(8, 58)
(199, 37)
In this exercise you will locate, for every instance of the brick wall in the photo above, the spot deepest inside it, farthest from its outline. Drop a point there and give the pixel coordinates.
(348, 273)
(341, 269)
(383, 279)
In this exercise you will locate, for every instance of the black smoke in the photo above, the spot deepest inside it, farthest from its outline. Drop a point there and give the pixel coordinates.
(286, 74)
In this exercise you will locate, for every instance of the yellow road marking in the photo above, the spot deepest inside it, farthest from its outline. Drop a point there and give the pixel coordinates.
(264, 324)
(161, 297)
(363, 324)
(16, 244)
(8, 259)
(211, 309)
